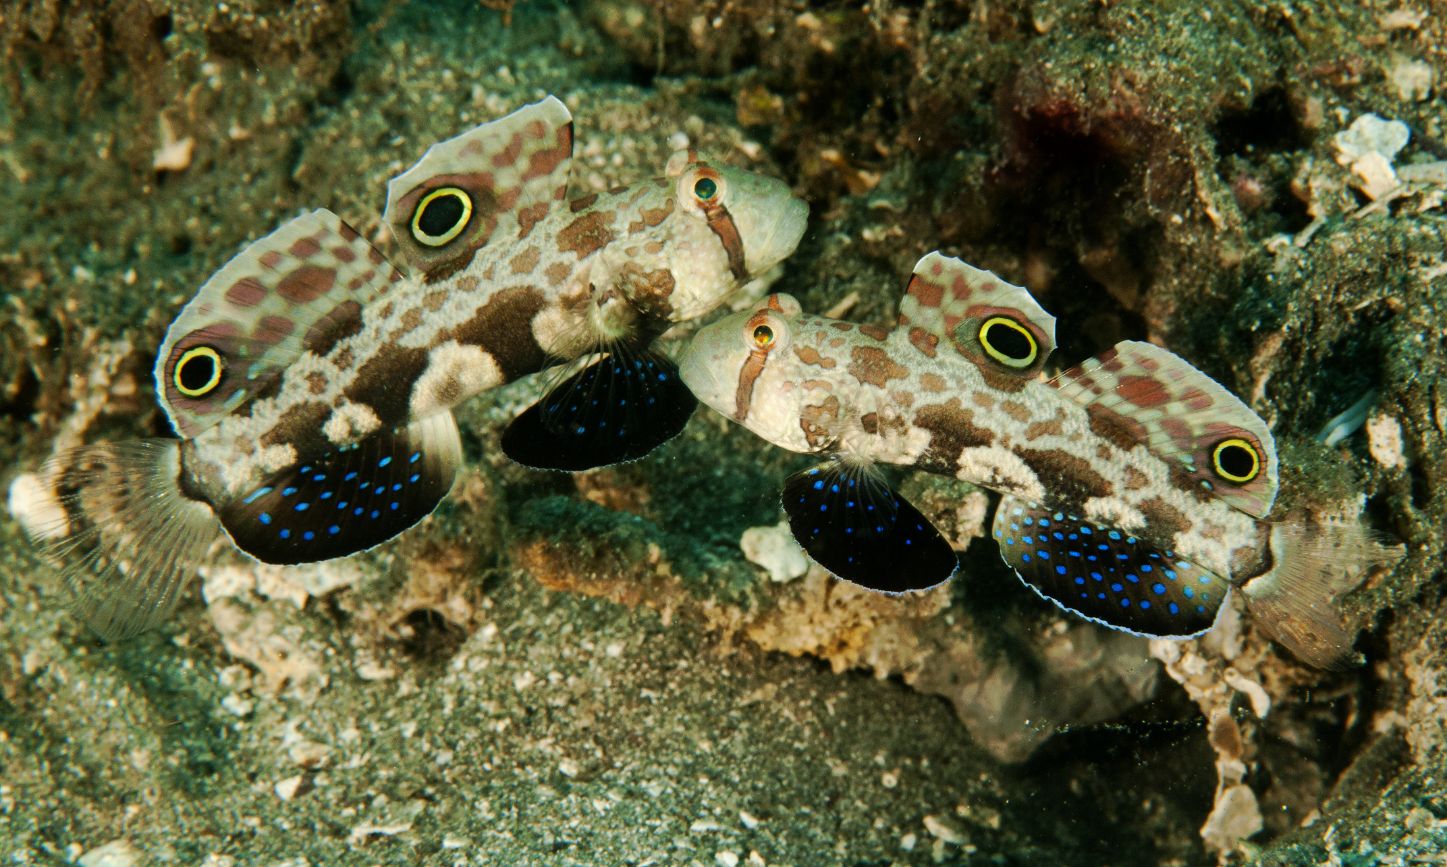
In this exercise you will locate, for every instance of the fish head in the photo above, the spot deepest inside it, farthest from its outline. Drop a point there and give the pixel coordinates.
(703, 234)
(744, 366)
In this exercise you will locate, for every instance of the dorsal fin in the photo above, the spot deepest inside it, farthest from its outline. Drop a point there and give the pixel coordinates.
(301, 287)
(1140, 393)
(996, 324)
(495, 181)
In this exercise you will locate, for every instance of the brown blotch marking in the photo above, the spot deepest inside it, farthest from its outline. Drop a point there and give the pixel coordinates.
(545, 162)
(305, 248)
(447, 392)
(1000, 380)
(270, 259)
(810, 355)
(841, 326)
(344, 254)
(1016, 410)
(655, 216)
(902, 397)
(1123, 432)
(508, 155)
(503, 328)
(557, 272)
(385, 380)
(817, 420)
(434, 300)
(874, 331)
(530, 215)
(410, 319)
(273, 329)
(952, 429)
(469, 283)
(873, 366)
(653, 248)
(1163, 517)
(650, 291)
(246, 292)
(344, 321)
(526, 261)
(1069, 471)
(306, 284)
(924, 341)
(870, 422)
(301, 427)
(983, 399)
(586, 235)
(583, 203)
(344, 358)
(1135, 480)
(316, 382)
(926, 293)
(835, 342)
(932, 382)
(1143, 391)
(347, 232)
(1040, 429)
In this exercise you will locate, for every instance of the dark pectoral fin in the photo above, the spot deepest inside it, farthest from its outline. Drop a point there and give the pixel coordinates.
(619, 408)
(348, 500)
(1107, 575)
(854, 525)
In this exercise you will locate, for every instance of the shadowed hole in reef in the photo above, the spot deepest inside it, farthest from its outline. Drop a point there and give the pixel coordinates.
(427, 637)
(1267, 124)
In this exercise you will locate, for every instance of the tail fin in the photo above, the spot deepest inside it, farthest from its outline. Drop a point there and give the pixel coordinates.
(115, 520)
(1294, 603)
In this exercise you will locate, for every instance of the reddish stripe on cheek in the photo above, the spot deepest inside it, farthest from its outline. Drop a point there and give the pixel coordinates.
(722, 224)
(750, 373)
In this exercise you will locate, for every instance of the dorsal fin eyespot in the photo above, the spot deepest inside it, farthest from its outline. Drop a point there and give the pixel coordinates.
(496, 180)
(1139, 393)
(994, 323)
(283, 295)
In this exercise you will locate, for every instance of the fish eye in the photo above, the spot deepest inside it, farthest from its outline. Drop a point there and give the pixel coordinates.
(705, 189)
(1008, 342)
(763, 336)
(198, 371)
(1236, 460)
(441, 216)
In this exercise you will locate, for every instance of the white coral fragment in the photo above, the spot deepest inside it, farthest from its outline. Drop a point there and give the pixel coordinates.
(1368, 147)
(774, 550)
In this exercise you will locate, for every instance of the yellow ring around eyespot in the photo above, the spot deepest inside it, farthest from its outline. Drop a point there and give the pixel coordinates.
(448, 236)
(1001, 357)
(1236, 442)
(190, 355)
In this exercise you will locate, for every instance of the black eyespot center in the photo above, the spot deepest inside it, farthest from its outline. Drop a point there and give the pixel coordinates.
(198, 371)
(763, 336)
(705, 189)
(1008, 342)
(439, 215)
(1236, 460)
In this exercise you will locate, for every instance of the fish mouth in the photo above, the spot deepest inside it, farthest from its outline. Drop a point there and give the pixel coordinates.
(782, 238)
(699, 367)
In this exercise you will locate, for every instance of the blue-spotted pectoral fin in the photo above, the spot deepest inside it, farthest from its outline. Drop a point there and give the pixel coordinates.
(348, 500)
(619, 408)
(853, 524)
(1140, 393)
(115, 520)
(1106, 575)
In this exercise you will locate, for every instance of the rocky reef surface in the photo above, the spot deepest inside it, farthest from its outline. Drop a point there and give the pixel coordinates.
(627, 666)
